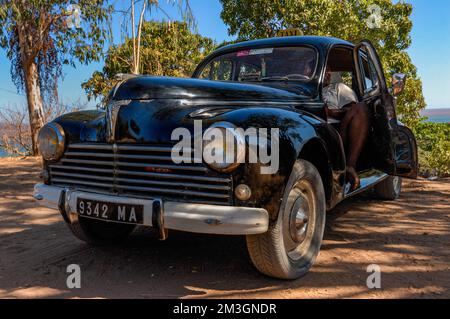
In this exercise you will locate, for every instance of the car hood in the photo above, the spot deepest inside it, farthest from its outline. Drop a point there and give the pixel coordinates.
(149, 109)
(150, 87)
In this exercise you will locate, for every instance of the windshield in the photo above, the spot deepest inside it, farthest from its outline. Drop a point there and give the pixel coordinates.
(264, 64)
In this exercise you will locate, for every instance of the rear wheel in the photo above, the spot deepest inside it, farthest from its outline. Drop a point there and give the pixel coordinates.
(292, 243)
(100, 233)
(389, 189)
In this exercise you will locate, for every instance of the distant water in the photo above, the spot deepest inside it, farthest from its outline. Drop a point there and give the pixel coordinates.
(437, 115)
(5, 154)
(438, 119)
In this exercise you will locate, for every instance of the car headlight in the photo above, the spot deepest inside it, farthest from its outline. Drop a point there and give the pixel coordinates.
(223, 147)
(51, 141)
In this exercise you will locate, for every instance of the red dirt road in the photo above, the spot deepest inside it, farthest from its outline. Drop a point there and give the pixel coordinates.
(409, 239)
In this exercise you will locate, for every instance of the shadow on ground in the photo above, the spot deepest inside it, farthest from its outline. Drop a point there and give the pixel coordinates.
(408, 238)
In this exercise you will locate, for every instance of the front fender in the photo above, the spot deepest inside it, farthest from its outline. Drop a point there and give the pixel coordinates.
(294, 133)
(84, 126)
(328, 144)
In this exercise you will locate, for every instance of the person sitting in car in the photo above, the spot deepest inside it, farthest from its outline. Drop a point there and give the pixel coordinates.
(342, 106)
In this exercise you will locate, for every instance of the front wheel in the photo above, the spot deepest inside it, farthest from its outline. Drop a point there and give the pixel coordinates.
(292, 243)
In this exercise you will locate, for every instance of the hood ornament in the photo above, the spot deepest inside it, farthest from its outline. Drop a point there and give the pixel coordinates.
(112, 111)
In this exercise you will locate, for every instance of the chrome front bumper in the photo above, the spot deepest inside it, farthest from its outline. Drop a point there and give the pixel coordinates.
(196, 218)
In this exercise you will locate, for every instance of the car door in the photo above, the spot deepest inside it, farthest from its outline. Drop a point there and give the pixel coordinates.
(395, 148)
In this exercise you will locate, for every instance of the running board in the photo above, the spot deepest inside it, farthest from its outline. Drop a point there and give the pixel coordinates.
(368, 179)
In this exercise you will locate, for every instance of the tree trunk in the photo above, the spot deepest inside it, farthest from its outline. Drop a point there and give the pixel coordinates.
(31, 78)
(34, 98)
(138, 50)
(133, 35)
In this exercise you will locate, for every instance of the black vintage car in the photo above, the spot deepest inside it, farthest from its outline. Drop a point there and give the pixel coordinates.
(112, 169)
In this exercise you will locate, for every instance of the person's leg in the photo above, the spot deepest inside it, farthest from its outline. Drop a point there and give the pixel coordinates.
(345, 125)
(354, 131)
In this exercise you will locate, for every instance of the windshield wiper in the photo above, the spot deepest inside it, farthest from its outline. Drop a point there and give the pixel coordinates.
(274, 78)
(284, 78)
(288, 77)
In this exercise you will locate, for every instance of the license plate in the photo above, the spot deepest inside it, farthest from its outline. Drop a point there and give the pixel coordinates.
(115, 212)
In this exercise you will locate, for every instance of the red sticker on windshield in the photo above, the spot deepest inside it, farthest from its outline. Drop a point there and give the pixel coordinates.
(243, 53)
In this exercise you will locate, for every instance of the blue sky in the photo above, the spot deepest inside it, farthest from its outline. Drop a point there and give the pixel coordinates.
(430, 51)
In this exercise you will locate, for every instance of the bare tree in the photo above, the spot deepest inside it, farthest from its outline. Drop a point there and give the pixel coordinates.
(15, 133)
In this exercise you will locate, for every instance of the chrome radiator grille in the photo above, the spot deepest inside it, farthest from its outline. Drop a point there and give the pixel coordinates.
(145, 171)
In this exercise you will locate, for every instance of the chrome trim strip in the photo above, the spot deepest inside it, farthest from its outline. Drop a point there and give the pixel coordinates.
(231, 103)
(177, 176)
(172, 167)
(105, 155)
(78, 161)
(152, 157)
(124, 156)
(150, 182)
(100, 178)
(121, 147)
(92, 146)
(79, 168)
(143, 148)
(73, 181)
(172, 191)
(112, 111)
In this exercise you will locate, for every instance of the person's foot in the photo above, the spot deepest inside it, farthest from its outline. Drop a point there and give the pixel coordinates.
(353, 178)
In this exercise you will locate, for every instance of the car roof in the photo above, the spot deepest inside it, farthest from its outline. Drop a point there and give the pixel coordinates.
(282, 41)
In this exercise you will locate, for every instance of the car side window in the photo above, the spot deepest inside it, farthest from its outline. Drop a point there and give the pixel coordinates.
(221, 70)
(248, 72)
(206, 72)
(369, 75)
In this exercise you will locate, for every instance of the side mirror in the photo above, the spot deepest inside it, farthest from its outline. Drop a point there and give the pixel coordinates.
(398, 83)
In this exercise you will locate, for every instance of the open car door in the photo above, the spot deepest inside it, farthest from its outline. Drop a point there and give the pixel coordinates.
(395, 147)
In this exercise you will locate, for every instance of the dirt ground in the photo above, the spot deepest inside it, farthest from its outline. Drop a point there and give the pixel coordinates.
(409, 239)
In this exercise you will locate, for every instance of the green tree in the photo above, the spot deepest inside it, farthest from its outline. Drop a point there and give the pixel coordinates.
(434, 148)
(346, 19)
(167, 49)
(42, 35)
(136, 31)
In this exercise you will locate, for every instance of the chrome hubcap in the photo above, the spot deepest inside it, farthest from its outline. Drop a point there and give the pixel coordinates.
(299, 220)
